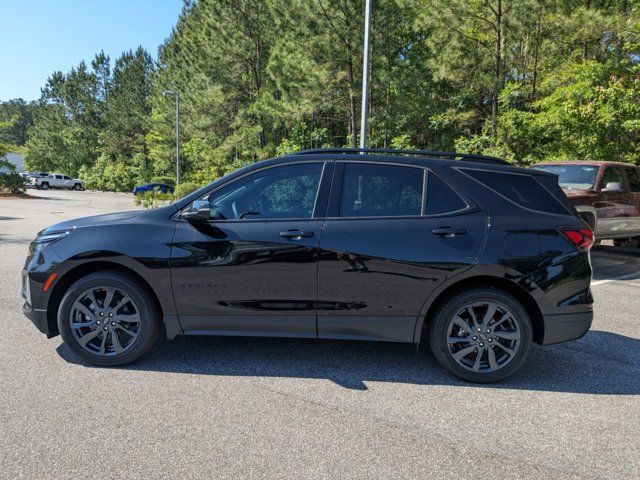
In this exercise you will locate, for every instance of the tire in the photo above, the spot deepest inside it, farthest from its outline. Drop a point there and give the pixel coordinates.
(510, 320)
(44, 186)
(140, 316)
(77, 187)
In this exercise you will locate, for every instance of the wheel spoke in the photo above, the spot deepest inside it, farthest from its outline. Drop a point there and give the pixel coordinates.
(83, 324)
(476, 363)
(473, 316)
(92, 297)
(108, 298)
(459, 340)
(127, 331)
(459, 322)
(121, 303)
(103, 344)
(84, 310)
(491, 311)
(129, 317)
(493, 363)
(508, 350)
(463, 353)
(506, 316)
(507, 335)
(88, 337)
(115, 341)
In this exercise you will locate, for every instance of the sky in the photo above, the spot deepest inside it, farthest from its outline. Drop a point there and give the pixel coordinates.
(38, 37)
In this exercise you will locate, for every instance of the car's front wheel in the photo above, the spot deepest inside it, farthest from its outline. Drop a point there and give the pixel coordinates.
(77, 186)
(109, 318)
(481, 335)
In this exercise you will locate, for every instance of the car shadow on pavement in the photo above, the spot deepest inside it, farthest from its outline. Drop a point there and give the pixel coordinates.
(599, 363)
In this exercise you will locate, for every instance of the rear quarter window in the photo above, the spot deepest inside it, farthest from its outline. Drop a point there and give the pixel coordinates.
(521, 189)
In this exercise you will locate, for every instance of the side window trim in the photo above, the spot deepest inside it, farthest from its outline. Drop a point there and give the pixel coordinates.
(313, 217)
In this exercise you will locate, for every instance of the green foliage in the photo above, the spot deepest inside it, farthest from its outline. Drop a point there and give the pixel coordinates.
(185, 188)
(526, 79)
(164, 179)
(152, 199)
(10, 180)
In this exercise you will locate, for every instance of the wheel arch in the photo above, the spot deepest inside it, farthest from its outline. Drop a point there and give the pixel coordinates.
(79, 271)
(524, 297)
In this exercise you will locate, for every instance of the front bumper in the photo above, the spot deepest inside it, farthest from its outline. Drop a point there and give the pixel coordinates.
(566, 326)
(38, 318)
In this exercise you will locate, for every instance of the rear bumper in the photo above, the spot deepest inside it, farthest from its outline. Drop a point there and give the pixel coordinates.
(567, 326)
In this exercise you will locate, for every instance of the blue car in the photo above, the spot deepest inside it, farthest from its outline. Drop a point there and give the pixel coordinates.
(153, 187)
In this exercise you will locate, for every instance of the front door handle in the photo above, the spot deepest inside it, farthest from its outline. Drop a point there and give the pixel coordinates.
(448, 231)
(295, 234)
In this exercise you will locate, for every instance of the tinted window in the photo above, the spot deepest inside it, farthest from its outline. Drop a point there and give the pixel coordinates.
(612, 175)
(633, 175)
(573, 176)
(280, 192)
(67, 178)
(370, 190)
(441, 198)
(523, 190)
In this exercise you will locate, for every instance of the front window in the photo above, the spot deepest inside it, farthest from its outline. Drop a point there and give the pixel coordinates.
(280, 192)
(580, 177)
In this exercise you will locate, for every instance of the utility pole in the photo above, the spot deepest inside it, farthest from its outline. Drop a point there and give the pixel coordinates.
(365, 74)
(175, 93)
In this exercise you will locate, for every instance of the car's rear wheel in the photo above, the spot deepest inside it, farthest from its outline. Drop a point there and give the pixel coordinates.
(482, 335)
(44, 186)
(109, 318)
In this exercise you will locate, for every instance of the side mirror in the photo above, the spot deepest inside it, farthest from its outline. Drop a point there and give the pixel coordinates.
(613, 187)
(199, 211)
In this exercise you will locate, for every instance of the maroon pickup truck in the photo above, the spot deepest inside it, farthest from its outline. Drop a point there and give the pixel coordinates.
(606, 194)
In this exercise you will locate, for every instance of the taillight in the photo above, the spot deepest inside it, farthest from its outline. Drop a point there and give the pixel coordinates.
(581, 238)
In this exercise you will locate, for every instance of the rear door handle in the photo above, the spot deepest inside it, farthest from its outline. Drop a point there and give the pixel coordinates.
(448, 231)
(295, 234)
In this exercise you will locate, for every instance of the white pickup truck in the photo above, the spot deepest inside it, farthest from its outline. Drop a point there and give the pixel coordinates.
(56, 180)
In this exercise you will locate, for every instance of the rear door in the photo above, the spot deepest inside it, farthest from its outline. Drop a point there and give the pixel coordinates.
(613, 207)
(393, 233)
(633, 182)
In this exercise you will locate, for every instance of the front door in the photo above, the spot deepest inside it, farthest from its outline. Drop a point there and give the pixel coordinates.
(385, 247)
(252, 269)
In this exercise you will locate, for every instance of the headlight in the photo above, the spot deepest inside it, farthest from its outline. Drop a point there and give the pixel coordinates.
(51, 237)
(43, 240)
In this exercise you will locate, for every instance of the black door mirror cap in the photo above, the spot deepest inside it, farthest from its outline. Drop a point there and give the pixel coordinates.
(199, 211)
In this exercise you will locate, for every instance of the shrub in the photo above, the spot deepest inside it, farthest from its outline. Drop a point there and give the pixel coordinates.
(10, 180)
(164, 179)
(153, 199)
(185, 189)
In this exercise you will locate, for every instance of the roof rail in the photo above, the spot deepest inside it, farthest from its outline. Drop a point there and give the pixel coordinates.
(469, 157)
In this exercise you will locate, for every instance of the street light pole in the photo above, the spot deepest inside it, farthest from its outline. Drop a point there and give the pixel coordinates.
(365, 74)
(175, 93)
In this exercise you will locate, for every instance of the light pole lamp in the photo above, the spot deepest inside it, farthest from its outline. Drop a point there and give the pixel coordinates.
(175, 93)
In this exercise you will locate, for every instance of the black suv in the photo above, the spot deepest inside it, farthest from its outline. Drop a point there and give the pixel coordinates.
(473, 256)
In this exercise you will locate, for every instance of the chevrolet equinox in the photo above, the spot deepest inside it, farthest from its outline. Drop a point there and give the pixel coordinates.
(465, 253)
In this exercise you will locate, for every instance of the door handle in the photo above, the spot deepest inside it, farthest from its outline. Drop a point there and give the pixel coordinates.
(448, 231)
(295, 234)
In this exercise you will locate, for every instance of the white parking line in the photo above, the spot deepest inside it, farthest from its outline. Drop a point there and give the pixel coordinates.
(623, 277)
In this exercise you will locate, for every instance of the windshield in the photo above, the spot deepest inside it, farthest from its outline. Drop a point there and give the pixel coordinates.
(581, 177)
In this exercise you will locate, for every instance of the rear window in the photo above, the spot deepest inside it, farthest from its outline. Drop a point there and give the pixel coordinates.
(378, 190)
(523, 190)
(441, 198)
(633, 176)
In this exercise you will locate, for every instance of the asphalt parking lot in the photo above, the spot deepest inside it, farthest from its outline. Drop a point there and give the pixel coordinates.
(205, 407)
